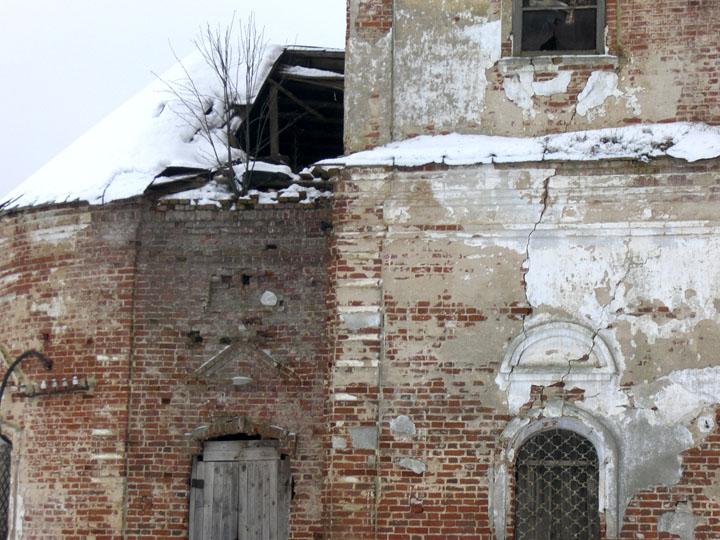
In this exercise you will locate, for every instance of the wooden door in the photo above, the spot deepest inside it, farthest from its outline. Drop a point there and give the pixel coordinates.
(240, 490)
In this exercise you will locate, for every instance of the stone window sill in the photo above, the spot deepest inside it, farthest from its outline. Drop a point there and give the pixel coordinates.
(510, 65)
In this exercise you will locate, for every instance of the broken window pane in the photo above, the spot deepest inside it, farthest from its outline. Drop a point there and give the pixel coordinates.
(566, 26)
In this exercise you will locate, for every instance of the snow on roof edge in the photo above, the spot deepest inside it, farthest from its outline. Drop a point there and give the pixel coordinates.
(682, 140)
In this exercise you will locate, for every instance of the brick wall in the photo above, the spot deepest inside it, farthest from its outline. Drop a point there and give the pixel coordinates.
(435, 77)
(417, 422)
(67, 278)
(137, 298)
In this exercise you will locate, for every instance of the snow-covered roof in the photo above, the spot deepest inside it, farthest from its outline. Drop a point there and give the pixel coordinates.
(682, 140)
(122, 155)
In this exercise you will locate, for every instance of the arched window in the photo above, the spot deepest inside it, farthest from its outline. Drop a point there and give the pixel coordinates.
(5, 460)
(556, 487)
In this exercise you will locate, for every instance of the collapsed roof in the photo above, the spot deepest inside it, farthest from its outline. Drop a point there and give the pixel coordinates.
(153, 142)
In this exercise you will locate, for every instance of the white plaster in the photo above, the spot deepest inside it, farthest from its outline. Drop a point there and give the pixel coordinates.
(414, 465)
(358, 321)
(101, 432)
(19, 514)
(521, 87)
(107, 457)
(340, 396)
(519, 90)
(681, 522)
(554, 352)
(600, 86)
(58, 235)
(443, 75)
(706, 423)
(557, 85)
(339, 443)
(402, 427)
(269, 298)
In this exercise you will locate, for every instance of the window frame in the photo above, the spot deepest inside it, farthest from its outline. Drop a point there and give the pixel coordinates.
(517, 17)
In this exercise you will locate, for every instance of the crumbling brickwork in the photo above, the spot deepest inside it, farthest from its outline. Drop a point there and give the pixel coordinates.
(67, 289)
(138, 298)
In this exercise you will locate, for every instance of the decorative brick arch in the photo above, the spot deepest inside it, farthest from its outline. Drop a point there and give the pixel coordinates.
(557, 415)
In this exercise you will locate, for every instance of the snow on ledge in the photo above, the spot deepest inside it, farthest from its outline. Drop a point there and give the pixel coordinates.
(682, 140)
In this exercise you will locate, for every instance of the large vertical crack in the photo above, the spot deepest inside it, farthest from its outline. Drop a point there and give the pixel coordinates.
(526, 263)
(544, 198)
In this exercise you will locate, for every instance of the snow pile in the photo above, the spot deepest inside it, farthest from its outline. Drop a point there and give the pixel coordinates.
(681, 140)
(209, 194)
(292, 193)
(311, 73)
(120, 156)
(214, 194)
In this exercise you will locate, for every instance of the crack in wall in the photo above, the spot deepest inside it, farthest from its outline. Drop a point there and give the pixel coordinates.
(628, 265)
(544, 197)
(526, 262)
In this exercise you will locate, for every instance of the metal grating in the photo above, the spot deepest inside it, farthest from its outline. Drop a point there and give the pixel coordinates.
(556, 488)
(5, 455)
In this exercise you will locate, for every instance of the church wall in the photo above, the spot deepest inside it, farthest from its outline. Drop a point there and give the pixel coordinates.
(136, 297)
(66, 290)
(448, 66)
(604, 277)
(253, 279)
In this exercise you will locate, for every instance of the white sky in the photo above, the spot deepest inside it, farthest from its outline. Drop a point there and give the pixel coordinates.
(65, 64)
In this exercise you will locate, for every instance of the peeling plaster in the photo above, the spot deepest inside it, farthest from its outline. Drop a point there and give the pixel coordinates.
(521, 87)
(600, 86)
(414, 465)
(440, 67)
(681, 522)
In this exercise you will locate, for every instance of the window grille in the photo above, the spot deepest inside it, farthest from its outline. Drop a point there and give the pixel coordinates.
(556, 488)
(5, 455)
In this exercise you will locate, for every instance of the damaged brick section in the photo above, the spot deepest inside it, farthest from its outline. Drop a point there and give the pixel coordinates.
(129, 295)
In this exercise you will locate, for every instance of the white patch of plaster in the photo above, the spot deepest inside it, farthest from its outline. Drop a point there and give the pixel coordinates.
(414, 465)
(269, 298)
(19, 515)
(519, 90)
(402, 427)
(349, 479)
(680, 522)
(600, 86)
(706, 423)
(101, 432)
(557, 85)
(104, 358)
(345, 397)
(632, 102)
(107, 457)
(358, 321)
(443, 75)
(339, 443)
(58, 235)
(521, 87)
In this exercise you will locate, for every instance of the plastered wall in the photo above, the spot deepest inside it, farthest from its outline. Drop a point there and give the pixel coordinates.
(416, 67)
(473, 303)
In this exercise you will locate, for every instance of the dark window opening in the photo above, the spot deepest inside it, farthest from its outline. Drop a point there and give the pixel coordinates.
(556, 488)
(554, 26)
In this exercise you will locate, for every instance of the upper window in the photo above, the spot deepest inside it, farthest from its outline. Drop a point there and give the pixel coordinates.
(556, 27)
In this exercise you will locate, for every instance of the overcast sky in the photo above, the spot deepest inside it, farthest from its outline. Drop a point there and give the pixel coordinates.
(65, 64)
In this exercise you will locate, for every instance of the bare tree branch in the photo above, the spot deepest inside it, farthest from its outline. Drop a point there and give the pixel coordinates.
(234, 54)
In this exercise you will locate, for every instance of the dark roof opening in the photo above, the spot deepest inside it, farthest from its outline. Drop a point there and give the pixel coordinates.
(297, 118)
